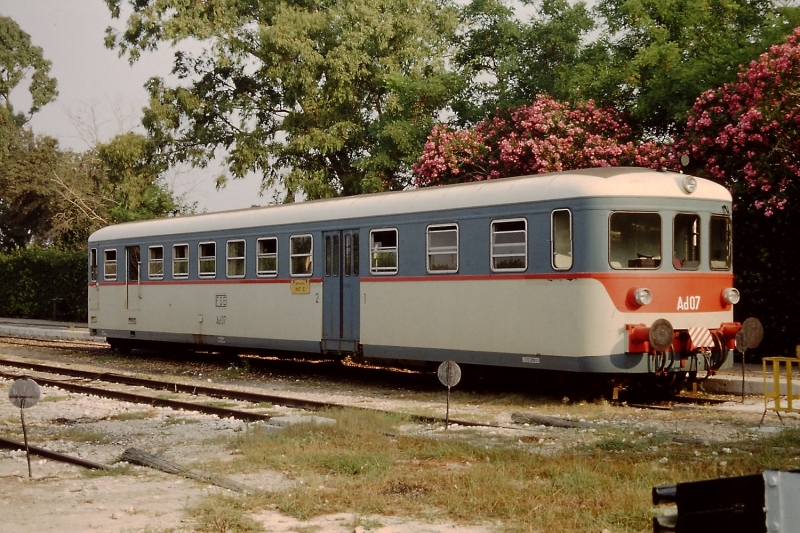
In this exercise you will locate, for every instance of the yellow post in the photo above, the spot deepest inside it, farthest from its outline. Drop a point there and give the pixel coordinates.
(775, 393)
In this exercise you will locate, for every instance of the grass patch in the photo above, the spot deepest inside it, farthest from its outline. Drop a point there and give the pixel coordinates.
(53, 398)
(77, 434)
(134, 415)
(179, 420)
(113, 471)
(222, 514)
(220, 404)
(261, 405)
(362, 466)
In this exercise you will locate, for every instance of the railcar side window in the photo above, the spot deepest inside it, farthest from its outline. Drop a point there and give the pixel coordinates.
(207, 259)
(301, 255)
(383, 251)
(155, 262)
(235, 259)
(267, 259)
(93, 264)
(686, 241)
(348, 254)
(561, 239)
(509, 245)
(180, 261)
(332, 259)
(720, 232)
(442, 247)
(110, 265)
(355, 254)
(634, 240)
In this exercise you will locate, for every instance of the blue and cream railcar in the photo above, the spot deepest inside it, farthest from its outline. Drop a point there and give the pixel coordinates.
(612, 270)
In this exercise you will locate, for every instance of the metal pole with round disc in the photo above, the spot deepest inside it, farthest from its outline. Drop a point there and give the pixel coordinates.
(750, 336)
(25, 393)
(449, 374)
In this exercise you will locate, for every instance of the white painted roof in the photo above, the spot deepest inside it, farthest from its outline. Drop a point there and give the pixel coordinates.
(597, 182)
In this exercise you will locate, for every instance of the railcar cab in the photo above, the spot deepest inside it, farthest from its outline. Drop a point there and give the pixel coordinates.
(678, 262)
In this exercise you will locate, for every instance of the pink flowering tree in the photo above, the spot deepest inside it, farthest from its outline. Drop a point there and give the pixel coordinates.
(546, 136)
(746, 135)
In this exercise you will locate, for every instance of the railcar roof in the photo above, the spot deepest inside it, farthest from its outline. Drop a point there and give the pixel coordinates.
(597, 182)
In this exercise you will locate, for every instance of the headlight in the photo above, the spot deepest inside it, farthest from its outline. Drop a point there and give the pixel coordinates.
(689, 184)
(730, 296)
(643, 296)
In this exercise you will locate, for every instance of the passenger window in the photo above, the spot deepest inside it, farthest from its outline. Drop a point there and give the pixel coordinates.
(155, 262)
(720, 233)
(509, 245)
(300, 255)
(355, 254)
(110, 265)
(267, 259)
(236, 259)
(207, 259)
(93, 264)
(442, 248)
(348, 254)
(383, 251)
(180, 261)
(332, 259)
(686, 241)
(336, 251)
(561, 239)
(634, 240)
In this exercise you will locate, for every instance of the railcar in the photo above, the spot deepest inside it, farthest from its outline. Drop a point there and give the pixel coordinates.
(614, 271)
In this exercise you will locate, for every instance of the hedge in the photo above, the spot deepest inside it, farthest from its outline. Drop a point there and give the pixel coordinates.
(43, 283)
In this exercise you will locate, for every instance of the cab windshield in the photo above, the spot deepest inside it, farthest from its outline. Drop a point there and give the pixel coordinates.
(634, 240)
(720, 233)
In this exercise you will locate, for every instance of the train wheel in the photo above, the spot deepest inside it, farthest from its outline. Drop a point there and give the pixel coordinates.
(671, 384)
(120, 346)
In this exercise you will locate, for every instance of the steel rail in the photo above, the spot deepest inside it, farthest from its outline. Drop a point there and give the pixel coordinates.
(214, 392)
(221, 412)
(12, 445)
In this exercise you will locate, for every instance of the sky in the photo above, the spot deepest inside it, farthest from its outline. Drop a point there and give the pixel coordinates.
(101, 95)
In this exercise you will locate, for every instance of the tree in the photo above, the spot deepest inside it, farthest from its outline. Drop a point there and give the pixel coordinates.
(18, 59)
(647, 58)
(546, 136)
(508, 62)
(746, 135)
(326, 97)
(53, 197)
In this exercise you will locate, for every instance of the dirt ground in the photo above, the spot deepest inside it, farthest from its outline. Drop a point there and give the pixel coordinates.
(65, 498)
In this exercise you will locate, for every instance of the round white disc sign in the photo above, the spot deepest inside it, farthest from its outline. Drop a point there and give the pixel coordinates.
(24, 393)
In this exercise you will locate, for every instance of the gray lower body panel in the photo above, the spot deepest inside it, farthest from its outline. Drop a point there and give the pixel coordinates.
(623, 363)
(212, 341)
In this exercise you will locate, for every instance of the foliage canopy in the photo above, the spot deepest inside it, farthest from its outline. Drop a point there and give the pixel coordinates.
(648, 58)
(323, 96)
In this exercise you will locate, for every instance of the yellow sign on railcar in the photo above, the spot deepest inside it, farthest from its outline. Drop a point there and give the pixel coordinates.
(301, 286)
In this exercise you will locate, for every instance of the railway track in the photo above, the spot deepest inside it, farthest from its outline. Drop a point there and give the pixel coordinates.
(42, 370)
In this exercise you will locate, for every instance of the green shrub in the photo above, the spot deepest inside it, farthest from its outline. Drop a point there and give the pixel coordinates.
(43, 283)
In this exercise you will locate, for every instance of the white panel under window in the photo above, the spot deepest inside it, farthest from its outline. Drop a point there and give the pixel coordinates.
(509, 245)
(442, 248)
